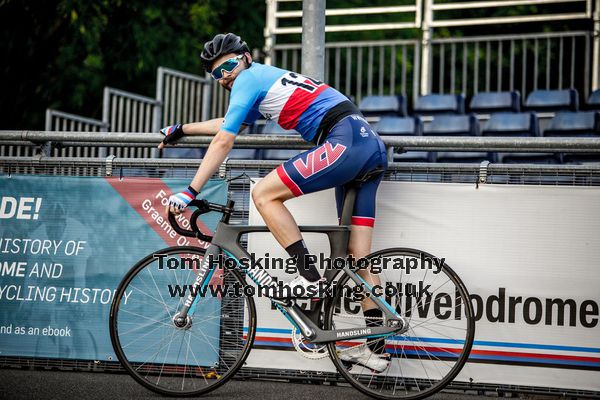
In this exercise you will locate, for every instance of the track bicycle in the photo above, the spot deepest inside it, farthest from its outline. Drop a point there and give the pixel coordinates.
(191, 343)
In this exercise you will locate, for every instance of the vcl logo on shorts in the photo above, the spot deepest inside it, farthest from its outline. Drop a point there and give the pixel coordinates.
(319, 159)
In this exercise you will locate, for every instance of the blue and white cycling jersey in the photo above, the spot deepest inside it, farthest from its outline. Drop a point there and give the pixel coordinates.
(292, 100)
(347, 145)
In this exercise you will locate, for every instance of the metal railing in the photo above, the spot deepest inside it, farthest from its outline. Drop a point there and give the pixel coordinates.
(438, 21)
(61, 121)
(469, 64)
(275, 16)
(511, 62)
(239, 190)
(130, 112)
(183, 97)
(407, 143)
(361, 69)
(433, 17)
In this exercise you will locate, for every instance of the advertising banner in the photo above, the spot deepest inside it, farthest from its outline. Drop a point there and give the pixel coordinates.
(65, 244)
(529, 256)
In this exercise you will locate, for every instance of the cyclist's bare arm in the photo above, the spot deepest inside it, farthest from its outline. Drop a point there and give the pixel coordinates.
(210, 127)
(219, 147)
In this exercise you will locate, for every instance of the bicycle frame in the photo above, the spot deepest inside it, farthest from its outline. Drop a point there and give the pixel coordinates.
(227, 239)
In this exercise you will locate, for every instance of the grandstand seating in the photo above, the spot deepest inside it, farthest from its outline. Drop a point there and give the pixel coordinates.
(414, 156)
(181, 152)
(399, 126)
(515, 125)
(462, 156)
(279, 154)
(455, 125)
(511, 124)
(569, 124)
(444, 116)
(435, 104)
(593, 102)
(491, 102)
(272, 128)
(452, 125)
(243, 154)
(383, 106)
(552, 100)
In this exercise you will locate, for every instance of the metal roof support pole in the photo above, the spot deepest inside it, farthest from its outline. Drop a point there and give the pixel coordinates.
(596, 53)
(426, 55)
(271, 24)
(313, 39)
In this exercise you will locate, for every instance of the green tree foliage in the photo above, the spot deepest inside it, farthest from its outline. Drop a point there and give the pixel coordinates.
(61, 53)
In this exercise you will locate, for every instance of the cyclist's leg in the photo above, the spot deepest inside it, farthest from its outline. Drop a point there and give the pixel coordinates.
(363, 217)
(328, 167)
(268, 196)
(363, 220)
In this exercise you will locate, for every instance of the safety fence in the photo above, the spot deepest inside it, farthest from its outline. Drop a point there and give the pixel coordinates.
(420, 64)
(236, 172)
(183, 97)
(469, 64)
(524, 62)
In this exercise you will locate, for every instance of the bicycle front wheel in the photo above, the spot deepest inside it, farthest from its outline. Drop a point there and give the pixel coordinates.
(181, 361)
(441, 326)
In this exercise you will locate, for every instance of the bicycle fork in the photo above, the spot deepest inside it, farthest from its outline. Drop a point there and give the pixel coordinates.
(182, 319)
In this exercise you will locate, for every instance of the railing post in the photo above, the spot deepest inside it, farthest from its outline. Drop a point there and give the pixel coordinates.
(160, 78)
(48, 125)
(206, 97)
(105, 118)
(426, 48)
(596, 52)
(313, 38)
(270, 25)
(106, 108)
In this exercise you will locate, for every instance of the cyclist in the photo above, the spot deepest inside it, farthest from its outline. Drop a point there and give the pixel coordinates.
(345, 148)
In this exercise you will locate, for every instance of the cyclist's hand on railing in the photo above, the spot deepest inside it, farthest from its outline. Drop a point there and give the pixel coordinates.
(179, 201)
(172, 134)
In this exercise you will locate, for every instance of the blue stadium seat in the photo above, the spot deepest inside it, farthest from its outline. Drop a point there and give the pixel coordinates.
(553, 100)
(452, 125)
(526, 158)
(593, 102)
(279, 154)
(511, 124)
(582, 158)
(491, 102)
(462, 156)
(574, 124)
(414, 156)
(272, 128)
(180, 152)
(243, 154)
(399, 126)
(435, 104)
(380, 106)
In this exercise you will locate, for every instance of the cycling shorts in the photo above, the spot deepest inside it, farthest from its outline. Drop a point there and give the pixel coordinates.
(352, 148)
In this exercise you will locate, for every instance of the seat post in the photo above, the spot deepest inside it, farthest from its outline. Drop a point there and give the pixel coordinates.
(348, 207)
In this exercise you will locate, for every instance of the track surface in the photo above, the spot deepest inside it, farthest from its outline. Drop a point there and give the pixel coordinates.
(40, 384)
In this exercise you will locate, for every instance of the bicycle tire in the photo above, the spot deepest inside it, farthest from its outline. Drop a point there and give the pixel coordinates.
(408, 353)
(176, 370)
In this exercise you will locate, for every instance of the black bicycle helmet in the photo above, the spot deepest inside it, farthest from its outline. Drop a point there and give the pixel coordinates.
(219, 45)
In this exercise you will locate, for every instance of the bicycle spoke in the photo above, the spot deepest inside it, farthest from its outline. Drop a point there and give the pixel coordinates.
(188, 360)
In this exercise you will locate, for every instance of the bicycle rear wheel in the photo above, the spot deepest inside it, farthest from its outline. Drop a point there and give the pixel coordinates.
(187, 361)
(428, 356)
